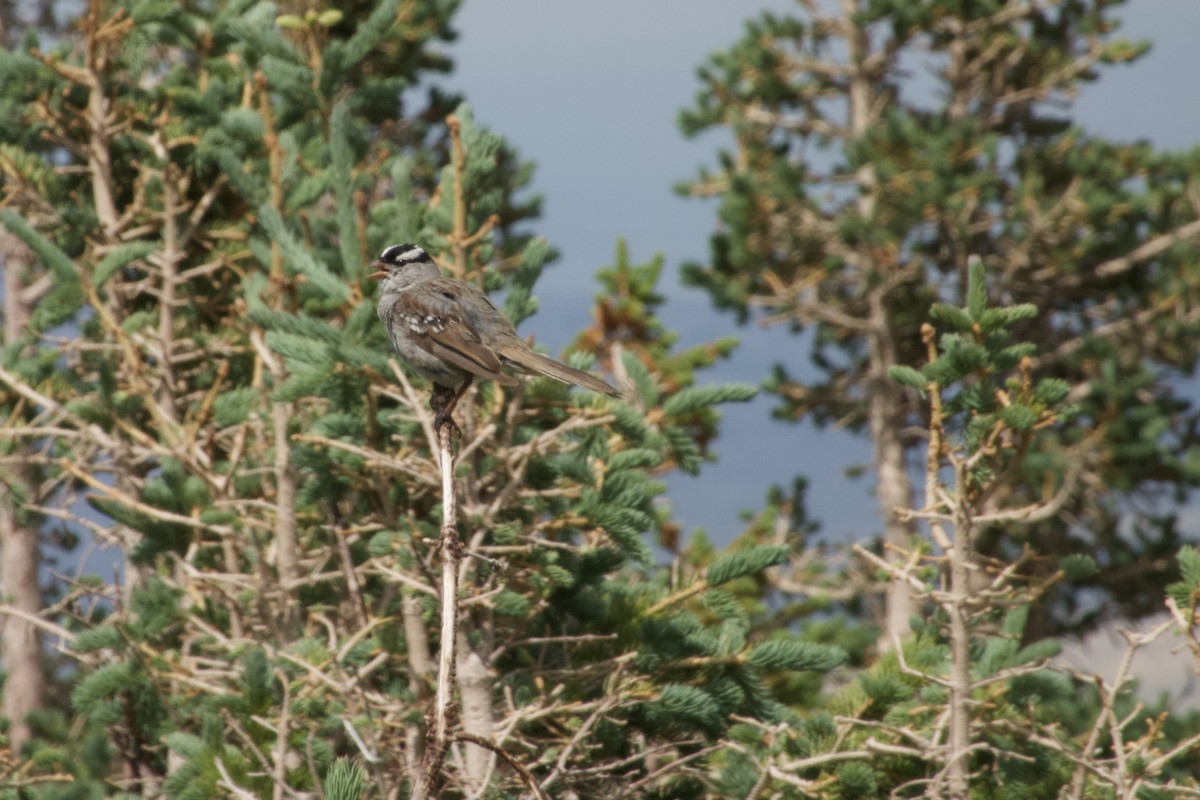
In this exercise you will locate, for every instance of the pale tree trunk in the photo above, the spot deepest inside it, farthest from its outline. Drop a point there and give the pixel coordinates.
(892, 488)
(24, 687)
(884, 398)
(475, 687)
(958, 608)
(421, 672)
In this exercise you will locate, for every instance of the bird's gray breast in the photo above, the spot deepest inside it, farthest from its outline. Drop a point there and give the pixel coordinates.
(406, 328)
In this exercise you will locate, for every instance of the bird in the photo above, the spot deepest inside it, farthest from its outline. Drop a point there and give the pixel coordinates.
(449, 332)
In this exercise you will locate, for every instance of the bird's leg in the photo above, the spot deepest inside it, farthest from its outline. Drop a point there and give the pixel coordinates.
(443, 401)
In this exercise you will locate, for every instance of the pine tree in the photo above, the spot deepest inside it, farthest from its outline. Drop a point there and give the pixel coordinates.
(202, 189)
(963, 708)
(853, 196)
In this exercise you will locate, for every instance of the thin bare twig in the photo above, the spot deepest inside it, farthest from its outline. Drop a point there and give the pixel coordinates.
(520, 768)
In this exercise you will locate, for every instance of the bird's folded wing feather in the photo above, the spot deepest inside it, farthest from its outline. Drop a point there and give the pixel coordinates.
(434, 317)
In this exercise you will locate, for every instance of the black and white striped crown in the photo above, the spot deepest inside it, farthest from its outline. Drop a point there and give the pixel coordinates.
(398, 255)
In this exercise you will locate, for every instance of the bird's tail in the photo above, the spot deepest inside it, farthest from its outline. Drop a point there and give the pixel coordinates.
(532, 361)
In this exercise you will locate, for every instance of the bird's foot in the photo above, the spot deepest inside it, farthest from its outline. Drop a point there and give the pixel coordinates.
(443, 419)
(443, 401)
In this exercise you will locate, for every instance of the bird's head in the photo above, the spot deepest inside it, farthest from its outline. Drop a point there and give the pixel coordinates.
(402, 265)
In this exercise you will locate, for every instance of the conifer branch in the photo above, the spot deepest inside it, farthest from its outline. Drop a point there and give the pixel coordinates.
(281, 411)
(99, 155)
(458, 165)
(699, 586)
(956, 606)
(442, 717)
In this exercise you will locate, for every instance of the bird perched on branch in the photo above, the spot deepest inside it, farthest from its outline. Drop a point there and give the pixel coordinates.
(448, 331)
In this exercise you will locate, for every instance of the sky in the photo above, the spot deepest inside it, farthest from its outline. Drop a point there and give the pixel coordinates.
(590, 92)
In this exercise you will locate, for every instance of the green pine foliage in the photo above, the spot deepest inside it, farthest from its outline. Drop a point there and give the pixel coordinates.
(875, 147)
(883, 728)
(346, 780)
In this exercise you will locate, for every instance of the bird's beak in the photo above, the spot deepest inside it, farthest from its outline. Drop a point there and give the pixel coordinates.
(380, 273)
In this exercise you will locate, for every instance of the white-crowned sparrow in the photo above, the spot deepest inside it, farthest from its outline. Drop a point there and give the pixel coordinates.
(448, 331)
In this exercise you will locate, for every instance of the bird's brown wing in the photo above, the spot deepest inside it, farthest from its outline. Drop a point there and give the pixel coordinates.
(434, 316)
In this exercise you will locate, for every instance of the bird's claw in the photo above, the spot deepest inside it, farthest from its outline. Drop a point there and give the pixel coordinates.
(443, 401)
(443, 419)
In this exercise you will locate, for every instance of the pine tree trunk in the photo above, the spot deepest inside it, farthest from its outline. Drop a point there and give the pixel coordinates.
(24, 686)
(475, 688)
(884, 398)
(892, 489)
(421, 672)
(960, 650)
